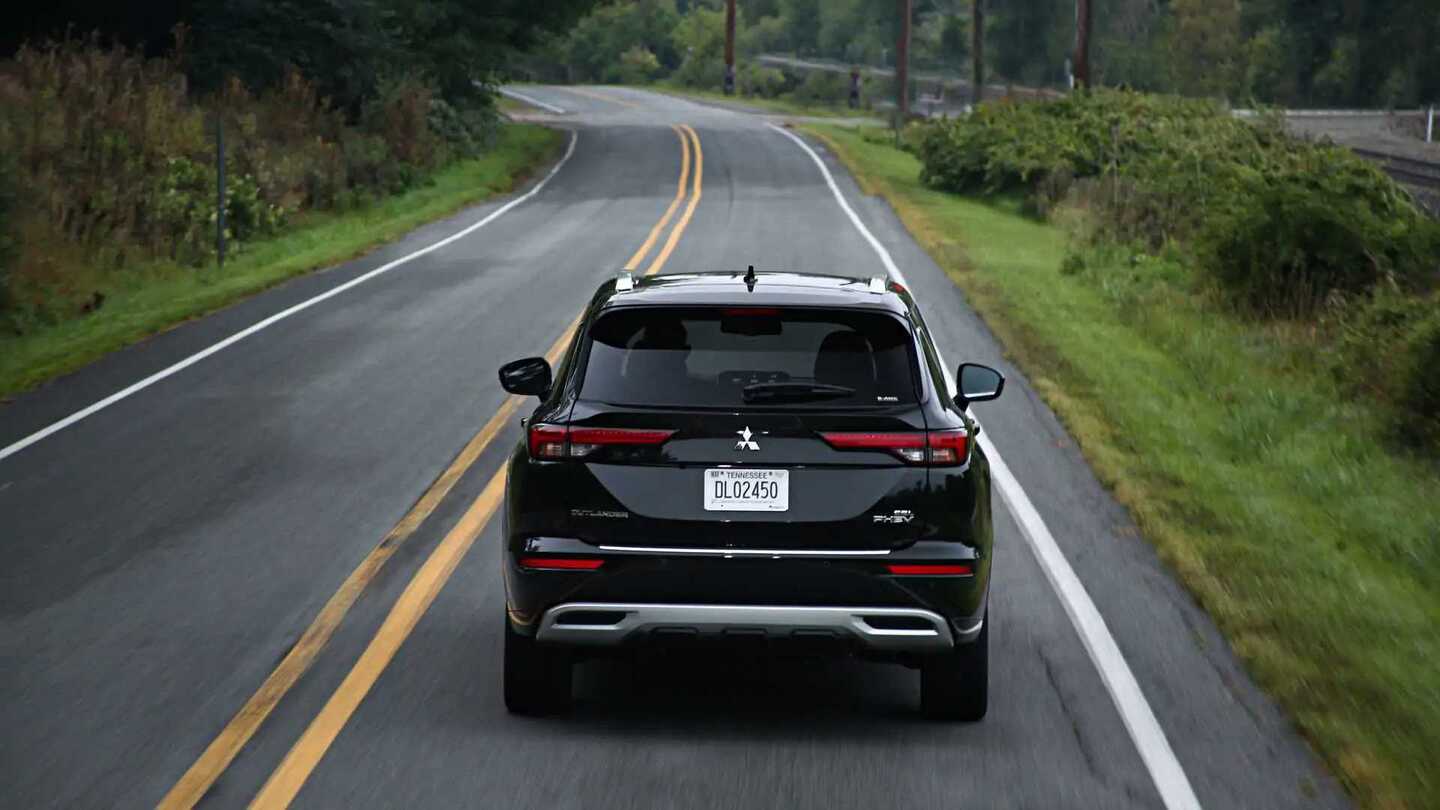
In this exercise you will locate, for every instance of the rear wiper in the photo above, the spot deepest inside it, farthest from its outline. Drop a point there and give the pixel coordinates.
(793, 392)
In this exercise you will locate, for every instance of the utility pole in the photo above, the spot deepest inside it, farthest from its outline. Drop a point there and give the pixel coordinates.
(977, 50)
(1082, 44)
(902, 63)
(729, 47)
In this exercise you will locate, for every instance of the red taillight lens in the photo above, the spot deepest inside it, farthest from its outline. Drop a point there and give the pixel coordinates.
(559, 564)
(547, 441)
(938, 448)
(929, 570)
(909, 447)
(948, 447)
(556, 441)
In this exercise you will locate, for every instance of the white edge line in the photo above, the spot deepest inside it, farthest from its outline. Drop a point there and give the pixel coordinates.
(1159, 758)
(505, 91)
(280, 316)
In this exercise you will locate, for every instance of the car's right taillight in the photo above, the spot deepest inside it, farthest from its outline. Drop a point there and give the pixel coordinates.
(547, 441)
(556, 442)
(934, 448)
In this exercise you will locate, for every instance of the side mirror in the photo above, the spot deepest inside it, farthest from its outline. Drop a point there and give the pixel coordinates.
(979, 383)
(527, 377)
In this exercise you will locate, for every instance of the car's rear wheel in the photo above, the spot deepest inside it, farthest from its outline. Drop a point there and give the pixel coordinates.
(955, 686)
(537, 677)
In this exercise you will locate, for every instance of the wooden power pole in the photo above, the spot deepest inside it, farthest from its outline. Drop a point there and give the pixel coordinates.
(729, 47)
(977, 50)
(902, 63)
(1082, 44)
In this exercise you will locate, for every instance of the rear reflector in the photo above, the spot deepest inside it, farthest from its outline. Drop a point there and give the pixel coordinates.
(936, 448)
(559, 564)
(558, 441)
(928, 570)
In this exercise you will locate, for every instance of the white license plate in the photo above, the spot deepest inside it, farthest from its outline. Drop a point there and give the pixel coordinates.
(746, 490)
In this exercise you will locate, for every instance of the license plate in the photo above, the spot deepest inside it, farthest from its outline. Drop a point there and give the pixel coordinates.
(744, 490)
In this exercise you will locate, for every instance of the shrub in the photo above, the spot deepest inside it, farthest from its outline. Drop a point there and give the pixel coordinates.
(183, 212)
(1280, 223)
(757, 80)
(1318, 223)
(7, 227)
(822, 87)
(116, 159)
(400, 116)
(467, 133)
(638, 65)
(1388, 348)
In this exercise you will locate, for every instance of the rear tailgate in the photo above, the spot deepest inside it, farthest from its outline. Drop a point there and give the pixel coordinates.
(743, 400)
(784, 487)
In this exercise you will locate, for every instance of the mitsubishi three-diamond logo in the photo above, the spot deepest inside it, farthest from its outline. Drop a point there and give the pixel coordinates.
(745, 442)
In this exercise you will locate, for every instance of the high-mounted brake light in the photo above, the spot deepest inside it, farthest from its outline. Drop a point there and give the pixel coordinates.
(931, 570)
(935, 448)
(558, 441)
(751, 312)
(559, 564)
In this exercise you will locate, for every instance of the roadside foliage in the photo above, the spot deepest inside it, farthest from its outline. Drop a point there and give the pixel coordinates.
(1277, 460)
(113, 161)
(1271, 226)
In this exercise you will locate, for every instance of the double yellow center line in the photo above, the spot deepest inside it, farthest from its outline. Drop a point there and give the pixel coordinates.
(300, 762)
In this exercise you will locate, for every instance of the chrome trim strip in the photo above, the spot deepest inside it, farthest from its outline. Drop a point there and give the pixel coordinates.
(749, 552)
(780, 621)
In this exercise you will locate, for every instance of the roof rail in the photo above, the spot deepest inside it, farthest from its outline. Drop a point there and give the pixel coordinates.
(625, 282)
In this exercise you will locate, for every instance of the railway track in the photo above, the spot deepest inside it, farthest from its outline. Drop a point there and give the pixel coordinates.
(1422, 174)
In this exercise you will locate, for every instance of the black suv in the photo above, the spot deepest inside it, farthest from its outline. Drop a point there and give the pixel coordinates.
(769, 457)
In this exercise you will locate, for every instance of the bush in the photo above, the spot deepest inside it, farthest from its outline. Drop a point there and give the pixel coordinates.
(115, 159)
(1319, 223)
(466, 134)
(1388, 348)
(822, 87)
(1279, 223)
(638, 65)
(7, 227)
(757, 80)
(400, 117)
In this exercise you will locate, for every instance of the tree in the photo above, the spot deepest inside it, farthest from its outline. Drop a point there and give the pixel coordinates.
(1031, 39)
(700, 38)
(1203, 39)
(802, 23)
(954, 47)
(595, 47)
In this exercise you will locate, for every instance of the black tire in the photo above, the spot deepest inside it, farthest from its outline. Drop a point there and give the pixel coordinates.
(537, 677)
(956, 686)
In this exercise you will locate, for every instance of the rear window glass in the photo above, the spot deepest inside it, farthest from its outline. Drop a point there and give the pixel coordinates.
(749, 357)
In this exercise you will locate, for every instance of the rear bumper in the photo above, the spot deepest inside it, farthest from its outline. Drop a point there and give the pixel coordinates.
(879, 629)
(663, 577)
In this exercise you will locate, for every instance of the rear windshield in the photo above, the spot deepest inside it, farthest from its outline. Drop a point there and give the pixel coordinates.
(749, 357)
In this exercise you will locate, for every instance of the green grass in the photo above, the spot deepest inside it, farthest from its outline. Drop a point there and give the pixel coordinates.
(1271, 494)
(146, 299)
(775, 105)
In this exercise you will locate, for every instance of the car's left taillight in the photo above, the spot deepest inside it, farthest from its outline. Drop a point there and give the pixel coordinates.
(556, 442)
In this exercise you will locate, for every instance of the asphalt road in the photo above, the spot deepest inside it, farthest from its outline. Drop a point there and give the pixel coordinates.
(164, 553)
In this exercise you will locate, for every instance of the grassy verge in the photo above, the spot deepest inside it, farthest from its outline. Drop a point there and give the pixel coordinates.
(142, 300)
(1316, 549)
(774, 105)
